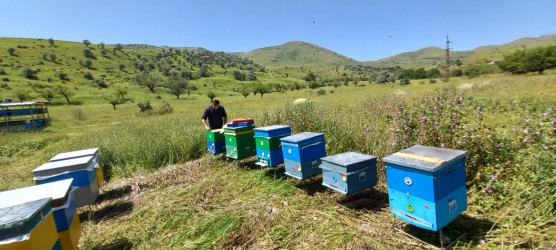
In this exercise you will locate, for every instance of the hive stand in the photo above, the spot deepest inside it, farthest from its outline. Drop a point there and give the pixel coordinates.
(399, 227)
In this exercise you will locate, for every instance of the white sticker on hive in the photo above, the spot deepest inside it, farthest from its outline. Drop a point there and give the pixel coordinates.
(289, 150)
(344, 178)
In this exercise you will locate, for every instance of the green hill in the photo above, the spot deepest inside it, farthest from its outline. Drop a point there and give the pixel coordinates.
(298, 54)
(424, 58)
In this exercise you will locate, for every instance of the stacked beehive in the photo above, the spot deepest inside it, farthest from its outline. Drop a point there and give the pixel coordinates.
(302, 153)
(82, 153)
(28, 225)
(83, 170)
(215, 141)
(62, 200)
(269, 147)
(426, 185)
(348, 172)
(240, 138)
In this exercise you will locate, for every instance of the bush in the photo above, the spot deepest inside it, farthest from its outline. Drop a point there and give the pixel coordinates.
(4, 85)
(88, 53)
(2, 72)
(321, 92)
(29, 73)
(456, 72)
(5, 79)
(100, 83)
(144, 106)
(87, 75)
(63, 76)
(166, 108)
(432, 80)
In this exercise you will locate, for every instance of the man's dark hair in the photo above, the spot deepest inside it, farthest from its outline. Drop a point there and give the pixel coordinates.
(216, 102)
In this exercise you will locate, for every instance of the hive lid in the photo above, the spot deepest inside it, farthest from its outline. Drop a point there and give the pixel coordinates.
(74, 154)
(22, 218)
(348, 158)
(296, 138)
(57, 190)
(62, 166)
(239, 129)
(271, 128)
(425, 158)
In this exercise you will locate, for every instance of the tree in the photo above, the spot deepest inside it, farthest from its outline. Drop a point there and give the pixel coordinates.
(22, 95)
(433, 73)
(336, 84)
(88, 63)
(121, 92)
(346, 82)
(177, 85)
(51, 41)
(44, 55)
(150, 81)
(310, 77)
(65, 92)
(530, 60)
(262, 69)
(101, 45)
(29, 73)
(86, 42)
(245, 91)
(87, 75)
(63, 76)
(238, 75)
(113, 99)
(203, 71)
(211, 95)
(262, 89)
(251, 76)
(11, 51)
(355, 81)
(103, 52)
(384, 77)
(47, 93)
(457, 72)
(52, 57)
(122, 67)
(88, 53)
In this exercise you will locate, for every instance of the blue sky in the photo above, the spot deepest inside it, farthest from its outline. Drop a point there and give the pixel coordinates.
(362, 30)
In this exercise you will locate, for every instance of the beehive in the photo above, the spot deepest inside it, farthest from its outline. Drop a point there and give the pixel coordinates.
(216, 141)
(269, 146)
(62, 202)
(27, 225)
(348, 172)
(240, 142)
(82, 153)
(426, 185)
(302, 153)
(83, 171)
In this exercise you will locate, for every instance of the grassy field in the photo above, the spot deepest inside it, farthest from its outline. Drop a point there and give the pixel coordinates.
(164, 191)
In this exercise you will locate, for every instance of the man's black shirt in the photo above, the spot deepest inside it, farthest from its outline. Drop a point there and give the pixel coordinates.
(215, 116)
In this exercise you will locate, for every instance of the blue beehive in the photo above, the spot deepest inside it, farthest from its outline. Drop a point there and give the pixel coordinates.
(83, 171)
(426, 185)
(348, 172)
(302, 153)
(268, 145)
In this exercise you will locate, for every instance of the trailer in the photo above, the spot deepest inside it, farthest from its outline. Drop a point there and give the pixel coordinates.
(24, 116)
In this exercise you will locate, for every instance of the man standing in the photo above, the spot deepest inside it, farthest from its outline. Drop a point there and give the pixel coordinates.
(216, 114)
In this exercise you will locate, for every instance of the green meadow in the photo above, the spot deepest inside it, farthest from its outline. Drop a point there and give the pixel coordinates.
(164, 191)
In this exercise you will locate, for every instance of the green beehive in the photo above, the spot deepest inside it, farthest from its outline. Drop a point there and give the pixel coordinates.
(215, 135)
(269, 144)
(240, 146)
(238, 130)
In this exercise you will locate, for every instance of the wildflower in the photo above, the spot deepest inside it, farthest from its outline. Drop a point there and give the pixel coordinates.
(525, 131)
(435, 108)
(435, 122)
(526, 120)
(453, 130)
(497, 166)
(442, 145)
(545, 147)
(487, 185)
(493, 177)
(482, 241)
(458, 142)
(490, 191)
(464, 135)
(506, 225)
(541, 123)
(524, 139)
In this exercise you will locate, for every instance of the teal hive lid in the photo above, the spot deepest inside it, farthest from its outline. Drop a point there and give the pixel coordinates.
(273, 127)
(75, 154)
(22, 218)
(425, 158)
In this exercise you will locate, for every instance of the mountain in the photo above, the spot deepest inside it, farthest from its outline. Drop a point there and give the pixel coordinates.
(298, 54)
(424, 58)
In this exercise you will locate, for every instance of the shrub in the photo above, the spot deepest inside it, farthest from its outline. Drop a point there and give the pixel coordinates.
(4, 85)
(2, 72)
(321, 92)
(100, 83)
(88, 53)
(87, 75)
(5, 79)
(144, 106)
(11, 51)
(166, 108)
(432, 80)
(63, 76)
(29, 73)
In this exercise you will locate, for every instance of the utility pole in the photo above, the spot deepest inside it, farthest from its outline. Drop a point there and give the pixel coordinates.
(447, 73)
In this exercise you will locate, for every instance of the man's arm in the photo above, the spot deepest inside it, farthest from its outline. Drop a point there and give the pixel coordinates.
(204, 121)
(224, 116)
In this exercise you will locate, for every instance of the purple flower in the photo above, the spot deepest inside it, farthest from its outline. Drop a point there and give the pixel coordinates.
(489, 191)
(493, 178)
(482, 241)
(525, 131)
(497, 166)
(435, 123)
(435, 108)
(442, 145)
(545, 147)
(526, 120)
(464, 135)
(541, 123)
(487, 185)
